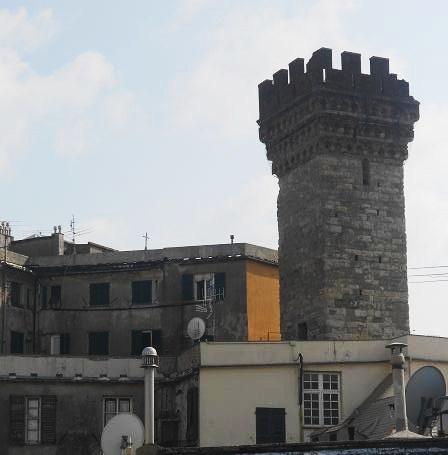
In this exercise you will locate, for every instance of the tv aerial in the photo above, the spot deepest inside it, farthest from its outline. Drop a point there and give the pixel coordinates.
(423, 391)
(196, 328)
(123, 435)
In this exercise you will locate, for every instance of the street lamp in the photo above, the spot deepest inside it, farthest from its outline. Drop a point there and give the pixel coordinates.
(150, 361)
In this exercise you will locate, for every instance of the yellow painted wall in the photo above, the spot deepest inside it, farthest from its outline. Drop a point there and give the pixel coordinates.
(263, 302)
(229, 397)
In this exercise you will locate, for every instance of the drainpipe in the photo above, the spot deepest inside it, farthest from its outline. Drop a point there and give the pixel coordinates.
(3, 340)
(34, 316)
(300, 361)
(398, 361)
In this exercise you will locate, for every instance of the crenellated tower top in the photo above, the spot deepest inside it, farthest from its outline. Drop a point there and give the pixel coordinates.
(345, 102)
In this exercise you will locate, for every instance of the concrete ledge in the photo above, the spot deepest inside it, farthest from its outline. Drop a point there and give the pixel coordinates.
(390, 446)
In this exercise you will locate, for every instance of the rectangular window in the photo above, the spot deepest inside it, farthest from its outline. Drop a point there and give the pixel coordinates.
(17, 342)
(99, 294)
(55, 296)
(43, 296)
(205, 286)
(141, 292)
(321, 398)
(140, 339)
(60, 344)
(15, 293)
(99, 343)
(32, 420)
(270, 425)
(114, 405)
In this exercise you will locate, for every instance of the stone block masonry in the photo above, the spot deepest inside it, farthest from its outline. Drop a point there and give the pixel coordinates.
(337, 140)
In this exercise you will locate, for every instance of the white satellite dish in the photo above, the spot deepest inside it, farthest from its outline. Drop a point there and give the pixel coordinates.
(196, 328)
(123, 424)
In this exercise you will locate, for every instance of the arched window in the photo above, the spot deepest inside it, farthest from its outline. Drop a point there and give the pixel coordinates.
(365, 171)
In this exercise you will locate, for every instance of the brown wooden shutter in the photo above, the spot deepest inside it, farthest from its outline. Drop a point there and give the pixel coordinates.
(16, 419)
(48, 419)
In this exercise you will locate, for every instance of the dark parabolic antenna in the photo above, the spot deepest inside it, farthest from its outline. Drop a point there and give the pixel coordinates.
(425, 386)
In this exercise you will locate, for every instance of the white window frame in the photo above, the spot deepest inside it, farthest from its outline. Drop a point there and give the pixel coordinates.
(320, 392)
(28, 419)
(117, 406)
(209, 290)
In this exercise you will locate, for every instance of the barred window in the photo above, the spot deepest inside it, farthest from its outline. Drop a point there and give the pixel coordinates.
(115, 405)
(321, 399)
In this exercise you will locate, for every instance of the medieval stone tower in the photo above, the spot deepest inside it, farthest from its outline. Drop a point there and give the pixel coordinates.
(337, 140)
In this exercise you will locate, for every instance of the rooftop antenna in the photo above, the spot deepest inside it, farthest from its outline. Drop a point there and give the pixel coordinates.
(232, 238)
(146, 237)
(73, 231)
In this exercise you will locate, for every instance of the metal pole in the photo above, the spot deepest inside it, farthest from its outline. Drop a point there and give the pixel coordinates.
(149, 405)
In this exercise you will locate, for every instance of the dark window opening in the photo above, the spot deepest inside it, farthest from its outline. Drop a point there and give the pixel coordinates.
(192, 415)
(351, 433)
(356, 257)
(302, 331)
(141, 292)
(377, 212)
(187, 287)
(169, 433)
(365, 171)
(380, 259)
(64, 343)
(220, 286)
(17, 342)
(55, 296)
(15, 293)
(140, 339)
(99, 343)
(360, 292)
(43, 296)
(270, 425)
(99, 294)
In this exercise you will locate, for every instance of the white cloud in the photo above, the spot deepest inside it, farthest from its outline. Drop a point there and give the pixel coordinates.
(64, 104)
(249, 45)
(20, 31)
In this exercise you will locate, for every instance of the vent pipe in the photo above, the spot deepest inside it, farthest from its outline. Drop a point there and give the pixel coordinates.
(397, 361)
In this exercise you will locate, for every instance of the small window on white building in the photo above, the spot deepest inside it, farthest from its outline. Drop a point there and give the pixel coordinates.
(32, 421)
(321, 399)
(114, 406)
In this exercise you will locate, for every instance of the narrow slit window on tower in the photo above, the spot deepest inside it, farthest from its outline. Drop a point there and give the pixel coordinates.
(380, 259)
(365, 171)
(324, 75)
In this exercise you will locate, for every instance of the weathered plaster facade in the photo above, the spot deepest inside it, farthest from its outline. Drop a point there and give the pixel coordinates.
(337, 140)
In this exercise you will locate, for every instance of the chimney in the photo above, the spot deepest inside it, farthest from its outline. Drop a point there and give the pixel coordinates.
(57, 248)
(397, 361)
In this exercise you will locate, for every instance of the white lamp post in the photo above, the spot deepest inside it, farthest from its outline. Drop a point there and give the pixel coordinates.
(150, 361)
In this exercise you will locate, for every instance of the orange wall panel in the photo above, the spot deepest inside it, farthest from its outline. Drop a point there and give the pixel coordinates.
(263, 302)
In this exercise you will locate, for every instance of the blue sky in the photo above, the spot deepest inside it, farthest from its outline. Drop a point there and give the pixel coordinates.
(141, 116)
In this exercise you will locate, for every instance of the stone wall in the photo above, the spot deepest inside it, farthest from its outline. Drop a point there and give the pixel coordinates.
(337, 140)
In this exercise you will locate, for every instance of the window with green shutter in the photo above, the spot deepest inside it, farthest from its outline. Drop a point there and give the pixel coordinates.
(99, 294)
(141, 292)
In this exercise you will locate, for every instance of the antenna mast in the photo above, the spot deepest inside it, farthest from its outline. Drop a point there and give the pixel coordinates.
(146, 237)
(73, 231)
